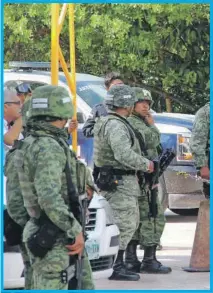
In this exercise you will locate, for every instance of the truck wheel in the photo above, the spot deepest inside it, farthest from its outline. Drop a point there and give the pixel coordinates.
(162, 194)
(185, 212)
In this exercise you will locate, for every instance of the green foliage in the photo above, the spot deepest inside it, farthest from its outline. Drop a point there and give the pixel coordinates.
(164, 47)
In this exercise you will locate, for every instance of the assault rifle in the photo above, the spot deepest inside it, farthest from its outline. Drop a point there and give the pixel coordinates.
(78, 206)
(152, 180)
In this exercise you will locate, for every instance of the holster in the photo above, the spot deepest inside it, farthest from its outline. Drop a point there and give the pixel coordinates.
(106, 180)
(44, 239)
(12, 230)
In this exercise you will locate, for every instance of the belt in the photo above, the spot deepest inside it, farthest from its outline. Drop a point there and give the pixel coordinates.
(120, 172)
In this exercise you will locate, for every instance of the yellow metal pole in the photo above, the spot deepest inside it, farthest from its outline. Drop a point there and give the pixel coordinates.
(65, 70)
(54, 43)
(62, 16)
(73, 73)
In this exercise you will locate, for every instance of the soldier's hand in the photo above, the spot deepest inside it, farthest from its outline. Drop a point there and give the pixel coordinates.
(78, 246)
(204, 173)
(149, 119)
(151, 167)
(72, 125)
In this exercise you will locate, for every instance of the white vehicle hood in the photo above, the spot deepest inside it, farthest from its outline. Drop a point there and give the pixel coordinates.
(165, 128)
(178, 115)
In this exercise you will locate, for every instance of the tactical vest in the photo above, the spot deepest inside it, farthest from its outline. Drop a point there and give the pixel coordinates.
(27, 198)
(149, 152)
(103, 154)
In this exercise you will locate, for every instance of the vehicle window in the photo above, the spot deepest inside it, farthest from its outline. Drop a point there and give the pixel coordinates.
(34, 84)
(168, 141)
(12, 84)
(92, 92)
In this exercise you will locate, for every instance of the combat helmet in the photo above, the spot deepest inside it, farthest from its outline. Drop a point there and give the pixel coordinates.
(143, 95)
(121, 96)
(51, 101)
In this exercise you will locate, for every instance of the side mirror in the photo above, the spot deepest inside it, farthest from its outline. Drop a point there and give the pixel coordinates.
(80, 117)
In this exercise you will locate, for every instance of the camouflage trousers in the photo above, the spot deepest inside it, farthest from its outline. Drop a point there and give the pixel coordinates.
(124, 205)
(28, 271)
(146, 234)
(46, 271)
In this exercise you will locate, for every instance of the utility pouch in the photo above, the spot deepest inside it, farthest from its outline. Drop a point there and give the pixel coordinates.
(106, 180)
(43, 240)
(12, 230)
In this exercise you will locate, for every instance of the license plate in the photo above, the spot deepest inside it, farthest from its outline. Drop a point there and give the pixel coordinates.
(92, 248)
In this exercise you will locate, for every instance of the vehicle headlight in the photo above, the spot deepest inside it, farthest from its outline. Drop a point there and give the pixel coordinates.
(109, 216)
(183, 150)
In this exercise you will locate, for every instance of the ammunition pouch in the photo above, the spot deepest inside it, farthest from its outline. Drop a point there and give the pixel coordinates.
(109, 178)
(12, 230)
(44, 239)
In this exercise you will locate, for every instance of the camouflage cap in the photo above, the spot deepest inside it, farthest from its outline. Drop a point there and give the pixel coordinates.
(121, 96)
(53, 101)
(143, 95)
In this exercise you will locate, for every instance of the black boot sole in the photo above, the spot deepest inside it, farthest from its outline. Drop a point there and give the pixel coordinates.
(115, 277)
(157, 272)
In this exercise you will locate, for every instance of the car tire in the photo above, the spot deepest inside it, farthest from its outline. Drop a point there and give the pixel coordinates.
(162, 193)
(185, 212)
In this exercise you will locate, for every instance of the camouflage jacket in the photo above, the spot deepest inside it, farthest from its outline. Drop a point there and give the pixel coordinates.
(150, 134)
(45, 189)
(115, 146)
(200, 139)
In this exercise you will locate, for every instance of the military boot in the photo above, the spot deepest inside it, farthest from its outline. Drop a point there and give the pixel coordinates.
(120, 272)
(150, 265)
(131, 260)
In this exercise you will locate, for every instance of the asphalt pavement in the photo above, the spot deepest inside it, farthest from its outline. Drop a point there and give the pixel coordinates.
(177, 241)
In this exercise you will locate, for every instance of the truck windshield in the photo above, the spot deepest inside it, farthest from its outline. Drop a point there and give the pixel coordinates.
(169, 141)
(92, 92)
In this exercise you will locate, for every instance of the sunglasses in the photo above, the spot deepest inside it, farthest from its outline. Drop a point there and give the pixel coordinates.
(16, 103)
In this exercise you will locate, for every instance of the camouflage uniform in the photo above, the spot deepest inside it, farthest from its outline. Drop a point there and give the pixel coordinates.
(115, 145)
(43, 159)
(200, 141)
(97, 111)
(15, 204)
(17, 211)
(146, 234)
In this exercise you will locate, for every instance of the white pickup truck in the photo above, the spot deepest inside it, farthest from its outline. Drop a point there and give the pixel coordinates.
(101, 245)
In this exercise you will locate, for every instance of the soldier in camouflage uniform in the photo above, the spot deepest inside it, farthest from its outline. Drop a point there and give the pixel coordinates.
(116, 146)
(200, 144)
(142, 121)
(41, 165)
(111, 79)
(15, 207)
